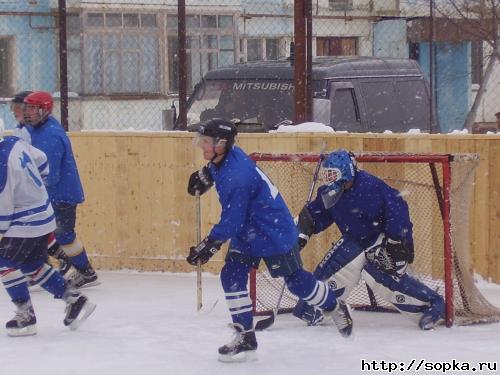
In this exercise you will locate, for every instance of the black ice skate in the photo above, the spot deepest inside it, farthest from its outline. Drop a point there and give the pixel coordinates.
(83, 278)
(24, 322)
(341, 316)
(242, 349)
(78, 308)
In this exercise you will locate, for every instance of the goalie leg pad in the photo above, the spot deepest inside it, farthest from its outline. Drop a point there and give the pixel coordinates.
(408, 295)
(341, 267)
(234, 278)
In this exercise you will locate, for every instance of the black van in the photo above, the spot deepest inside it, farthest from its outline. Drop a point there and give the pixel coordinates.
(355, 94)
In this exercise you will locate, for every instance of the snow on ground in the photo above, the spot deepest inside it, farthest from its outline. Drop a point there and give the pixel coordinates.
(146, 323)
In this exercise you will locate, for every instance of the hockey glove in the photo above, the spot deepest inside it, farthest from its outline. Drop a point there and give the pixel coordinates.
(200, 181)
(203, 251)
(305, 225)
(390, 256)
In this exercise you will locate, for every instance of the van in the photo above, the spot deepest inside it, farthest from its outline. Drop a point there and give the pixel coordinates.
(355, 94)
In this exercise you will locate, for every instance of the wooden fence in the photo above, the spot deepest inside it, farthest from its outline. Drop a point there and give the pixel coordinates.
(138, 214)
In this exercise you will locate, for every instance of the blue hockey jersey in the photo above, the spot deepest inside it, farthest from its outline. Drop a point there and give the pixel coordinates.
(63, 182)
(368, 208)
(254, 215)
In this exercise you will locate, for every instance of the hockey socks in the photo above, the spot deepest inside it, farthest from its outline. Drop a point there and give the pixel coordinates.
(234, 277)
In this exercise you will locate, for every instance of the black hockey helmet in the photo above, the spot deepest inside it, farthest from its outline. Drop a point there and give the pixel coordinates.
(19, 97)
(219, 128)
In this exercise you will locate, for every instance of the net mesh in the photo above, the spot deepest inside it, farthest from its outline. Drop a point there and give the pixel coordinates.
(421, 185)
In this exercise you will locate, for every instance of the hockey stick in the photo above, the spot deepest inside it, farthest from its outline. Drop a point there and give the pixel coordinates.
(199, 296)
(269, 321)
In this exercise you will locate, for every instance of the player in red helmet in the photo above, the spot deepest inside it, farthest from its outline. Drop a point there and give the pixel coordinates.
(63, 182)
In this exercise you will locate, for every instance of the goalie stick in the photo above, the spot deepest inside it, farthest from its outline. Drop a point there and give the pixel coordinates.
(269, 321)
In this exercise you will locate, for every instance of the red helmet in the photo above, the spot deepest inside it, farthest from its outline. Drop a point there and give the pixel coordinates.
(40, 99)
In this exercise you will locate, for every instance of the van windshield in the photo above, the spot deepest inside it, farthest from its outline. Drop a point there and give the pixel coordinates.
(262, 102)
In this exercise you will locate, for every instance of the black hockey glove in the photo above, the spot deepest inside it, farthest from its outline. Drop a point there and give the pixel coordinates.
(203, 251)
(390, 256)
(305, 225)
(200, 181)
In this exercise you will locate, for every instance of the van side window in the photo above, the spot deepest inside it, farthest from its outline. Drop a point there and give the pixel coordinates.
(382, 111)
(344, 109)
(414, 103)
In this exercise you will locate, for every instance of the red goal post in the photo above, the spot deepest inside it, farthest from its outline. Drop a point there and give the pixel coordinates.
(438, 189)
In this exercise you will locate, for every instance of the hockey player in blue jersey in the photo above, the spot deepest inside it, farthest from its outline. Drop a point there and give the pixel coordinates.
(63, 183)
(22, 131)
(26, 220)
(259, 226)
(376, 242)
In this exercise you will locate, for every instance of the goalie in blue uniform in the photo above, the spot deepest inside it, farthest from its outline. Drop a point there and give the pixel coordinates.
(259, 226)
(376, 242)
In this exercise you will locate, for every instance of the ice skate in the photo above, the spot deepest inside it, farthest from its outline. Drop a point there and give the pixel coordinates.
(341, 316)
(78, 309)
(83, 278)
(242, 349)
(433, 316)
(24, 322)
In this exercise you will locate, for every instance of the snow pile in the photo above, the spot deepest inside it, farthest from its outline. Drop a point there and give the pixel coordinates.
(306, 127)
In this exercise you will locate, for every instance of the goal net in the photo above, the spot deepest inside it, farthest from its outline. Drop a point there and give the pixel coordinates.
(438, 190)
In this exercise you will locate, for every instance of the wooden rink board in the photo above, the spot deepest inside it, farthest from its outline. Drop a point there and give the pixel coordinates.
(138, 215)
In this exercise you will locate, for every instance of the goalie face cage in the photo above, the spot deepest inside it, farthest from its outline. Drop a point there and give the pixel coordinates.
(437, 188)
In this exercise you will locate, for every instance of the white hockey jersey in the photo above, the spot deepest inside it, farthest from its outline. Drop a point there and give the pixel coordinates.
(25, 209)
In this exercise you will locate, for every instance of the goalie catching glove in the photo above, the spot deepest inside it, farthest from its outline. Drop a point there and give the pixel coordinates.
(390, 256)
(203, 251)
(200, 181)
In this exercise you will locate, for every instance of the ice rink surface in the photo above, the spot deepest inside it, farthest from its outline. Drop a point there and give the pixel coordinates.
(147, 324)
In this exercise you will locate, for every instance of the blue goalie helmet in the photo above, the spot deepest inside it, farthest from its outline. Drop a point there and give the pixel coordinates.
(338, 168)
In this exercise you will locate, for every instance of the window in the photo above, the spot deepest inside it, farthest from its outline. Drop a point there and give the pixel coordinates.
(254, 49)
(5, 73)
(477, 62)
(210, 43)
(413, 97)
(272, 49)
(336, 46)
(381, 115)
(120, 53)
(340, 4)
(344, 110)
(262, 49)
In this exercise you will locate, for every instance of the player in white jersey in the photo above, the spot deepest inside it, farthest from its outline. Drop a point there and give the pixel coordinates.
(26, 220)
